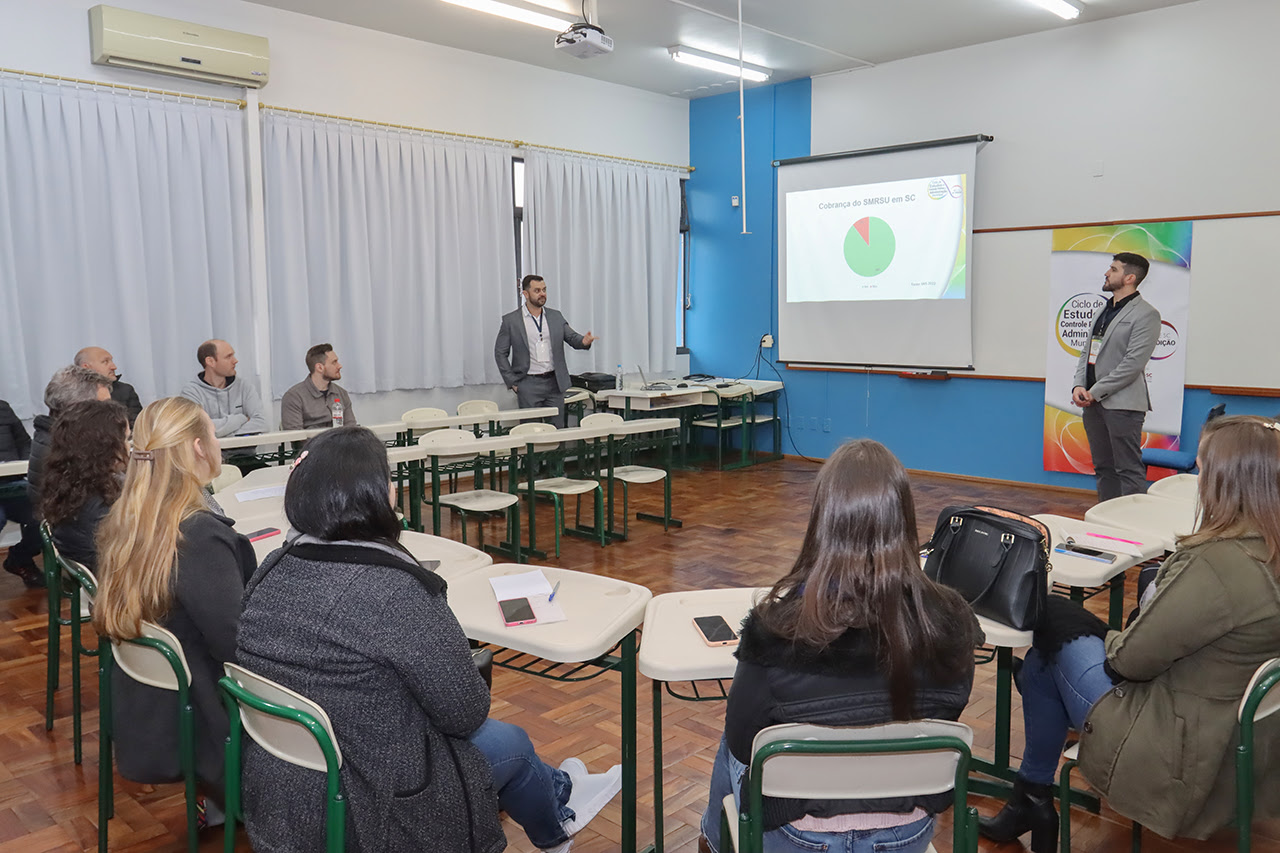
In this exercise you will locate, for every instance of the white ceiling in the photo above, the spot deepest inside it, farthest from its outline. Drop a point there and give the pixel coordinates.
(795, 38)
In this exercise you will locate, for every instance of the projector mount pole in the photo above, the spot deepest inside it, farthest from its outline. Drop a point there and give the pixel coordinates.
(742, 125)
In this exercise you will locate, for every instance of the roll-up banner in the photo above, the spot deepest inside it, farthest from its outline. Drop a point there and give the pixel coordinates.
(1079, 259)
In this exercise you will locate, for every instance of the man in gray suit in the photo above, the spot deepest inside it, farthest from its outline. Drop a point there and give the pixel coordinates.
(1111, 379)
(530, 349)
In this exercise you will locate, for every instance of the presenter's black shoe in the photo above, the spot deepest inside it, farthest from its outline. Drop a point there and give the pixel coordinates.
(1030, 809)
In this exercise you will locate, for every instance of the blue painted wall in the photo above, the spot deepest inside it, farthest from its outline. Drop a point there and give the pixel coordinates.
(977, 427)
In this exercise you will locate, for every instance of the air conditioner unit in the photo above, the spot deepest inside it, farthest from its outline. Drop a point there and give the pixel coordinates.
(125, 39)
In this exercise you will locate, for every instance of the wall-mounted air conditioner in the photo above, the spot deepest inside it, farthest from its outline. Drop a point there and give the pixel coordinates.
(126, 39)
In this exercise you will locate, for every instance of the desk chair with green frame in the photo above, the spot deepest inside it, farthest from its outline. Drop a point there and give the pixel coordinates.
(732, 411)
(290, 727)
(850, 763)
(57, 595)
(157, 660)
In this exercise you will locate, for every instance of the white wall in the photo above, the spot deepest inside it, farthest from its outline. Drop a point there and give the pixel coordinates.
(1174, 107)
(344, 70)
(339, 69)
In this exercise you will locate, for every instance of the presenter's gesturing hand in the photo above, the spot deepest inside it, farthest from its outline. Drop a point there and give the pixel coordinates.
(1081, 396)
(587, 339)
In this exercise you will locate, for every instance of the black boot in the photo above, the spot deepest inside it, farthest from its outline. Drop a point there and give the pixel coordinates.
(1030, 809)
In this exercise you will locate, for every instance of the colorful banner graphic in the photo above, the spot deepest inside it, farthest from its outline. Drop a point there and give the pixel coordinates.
(1076, 268)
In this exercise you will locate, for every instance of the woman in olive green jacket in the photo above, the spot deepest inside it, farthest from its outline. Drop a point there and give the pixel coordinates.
(1156, 703)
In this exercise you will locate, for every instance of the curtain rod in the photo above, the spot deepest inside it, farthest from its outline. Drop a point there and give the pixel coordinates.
(98, 84)
(515, 143)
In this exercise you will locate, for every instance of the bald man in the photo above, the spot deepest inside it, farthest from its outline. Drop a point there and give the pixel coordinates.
(232, 402)
(99, 360)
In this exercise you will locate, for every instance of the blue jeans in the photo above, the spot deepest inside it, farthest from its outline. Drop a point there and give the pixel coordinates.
(1056, 697)
(726, 776)
(529, 790)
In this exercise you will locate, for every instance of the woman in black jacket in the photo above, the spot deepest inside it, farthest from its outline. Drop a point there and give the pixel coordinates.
(854, 635)
(163, 557)
(83, 475)
(345, 616)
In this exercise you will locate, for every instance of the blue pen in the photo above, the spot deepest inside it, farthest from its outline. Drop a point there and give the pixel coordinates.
(554, 590)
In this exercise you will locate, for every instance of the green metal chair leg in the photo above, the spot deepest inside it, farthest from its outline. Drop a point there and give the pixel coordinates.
(187, 747)
(600, 528)
(232, 763)
(75, 671)
(626, 511)
(1064, 805)
(559, 519)
(106, 781)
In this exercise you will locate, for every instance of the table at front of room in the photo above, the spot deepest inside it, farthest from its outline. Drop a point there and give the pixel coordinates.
(672, 652)
(604, 614)
(421, 459)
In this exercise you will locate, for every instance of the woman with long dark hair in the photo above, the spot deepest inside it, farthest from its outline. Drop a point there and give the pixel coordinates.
(345, 616)
(163, 557)
(854, 634)
(84, 473)
(1155, 704)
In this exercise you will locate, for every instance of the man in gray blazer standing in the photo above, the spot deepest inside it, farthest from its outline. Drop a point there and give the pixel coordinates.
(1111, 379)
(530, 350)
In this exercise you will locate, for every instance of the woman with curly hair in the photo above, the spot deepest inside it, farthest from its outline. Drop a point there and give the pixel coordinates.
(83, 475)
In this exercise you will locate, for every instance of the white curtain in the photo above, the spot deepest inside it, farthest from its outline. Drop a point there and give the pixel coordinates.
(123, 224)
(606, 237)
(394, 246)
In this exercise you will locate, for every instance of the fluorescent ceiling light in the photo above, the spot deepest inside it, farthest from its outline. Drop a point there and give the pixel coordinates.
(516, 13)
(1068, 9)
(720, 64)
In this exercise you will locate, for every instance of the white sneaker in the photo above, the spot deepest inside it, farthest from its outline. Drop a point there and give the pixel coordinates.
(574, 767)
(591, 793)
(560, 848)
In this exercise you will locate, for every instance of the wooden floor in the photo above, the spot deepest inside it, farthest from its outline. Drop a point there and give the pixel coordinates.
(741, 528)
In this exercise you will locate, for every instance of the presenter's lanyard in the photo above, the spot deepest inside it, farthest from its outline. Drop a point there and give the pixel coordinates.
(537, 321)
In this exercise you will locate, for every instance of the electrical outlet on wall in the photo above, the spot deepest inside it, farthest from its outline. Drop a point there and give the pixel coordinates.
(766, 341)
(826, 425)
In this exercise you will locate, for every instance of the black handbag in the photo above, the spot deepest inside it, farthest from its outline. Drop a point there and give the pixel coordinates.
(996, 559)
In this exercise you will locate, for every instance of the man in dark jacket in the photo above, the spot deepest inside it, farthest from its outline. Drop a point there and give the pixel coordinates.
(99, 360)
(15, 444)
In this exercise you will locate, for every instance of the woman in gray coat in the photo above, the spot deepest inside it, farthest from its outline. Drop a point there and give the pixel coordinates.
(1156, 703)
(344, 615)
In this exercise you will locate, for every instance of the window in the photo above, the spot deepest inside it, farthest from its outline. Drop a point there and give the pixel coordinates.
(517, 186)
(682, 274)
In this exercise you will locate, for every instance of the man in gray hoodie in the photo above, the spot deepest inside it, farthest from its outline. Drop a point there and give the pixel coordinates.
(232, 402)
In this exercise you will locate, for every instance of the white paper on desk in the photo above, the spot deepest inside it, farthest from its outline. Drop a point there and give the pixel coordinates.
(545, 610)
(524, 585)
(259, 494)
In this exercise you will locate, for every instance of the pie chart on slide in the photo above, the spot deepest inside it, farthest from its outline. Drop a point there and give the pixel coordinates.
(869, 246)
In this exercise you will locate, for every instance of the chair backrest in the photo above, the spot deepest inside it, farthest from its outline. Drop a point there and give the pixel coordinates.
(1266, 681)
(477, 407)
(283, 736)
(10, 534)
(534, 428)
(229, 476)
(423, 416)
(577, 395)
(449, 436)
(81, 575)
(1216, 412)
(147, 664)
(602, 419)
(835, 771)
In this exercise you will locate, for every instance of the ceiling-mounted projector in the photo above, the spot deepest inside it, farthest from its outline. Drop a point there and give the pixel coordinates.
(584, 41)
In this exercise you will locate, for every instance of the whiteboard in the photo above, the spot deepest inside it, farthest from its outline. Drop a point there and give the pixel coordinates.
(1233, 337)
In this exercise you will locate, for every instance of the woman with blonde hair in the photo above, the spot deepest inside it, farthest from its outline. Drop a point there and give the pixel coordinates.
(163, 557)
(1155, 704)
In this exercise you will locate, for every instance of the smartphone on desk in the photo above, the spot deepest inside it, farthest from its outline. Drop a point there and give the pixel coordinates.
(262, 534)
(517, 611)
(1085, 551)
(715, 631)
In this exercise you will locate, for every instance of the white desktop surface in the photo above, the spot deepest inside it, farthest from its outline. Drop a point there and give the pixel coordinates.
(671, 649)
(1162, 517)
(13, 469)
(1179, 487)
(1084, 572)
(600, 610)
